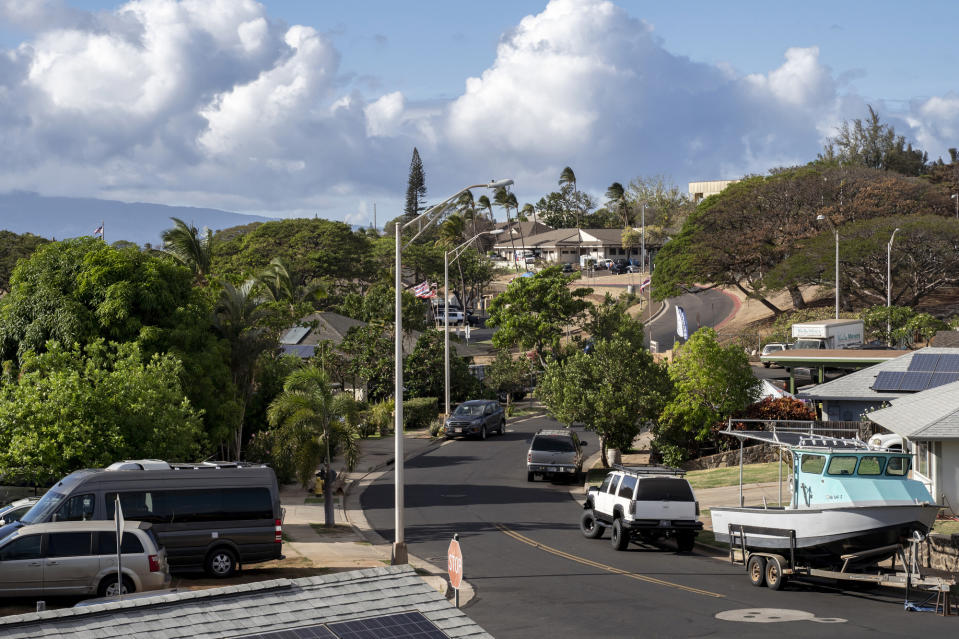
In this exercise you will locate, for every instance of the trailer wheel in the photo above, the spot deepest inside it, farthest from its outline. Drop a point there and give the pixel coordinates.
(775, 579)
(756, 569)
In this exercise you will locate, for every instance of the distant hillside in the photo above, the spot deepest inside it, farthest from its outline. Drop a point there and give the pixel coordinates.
(63, 217)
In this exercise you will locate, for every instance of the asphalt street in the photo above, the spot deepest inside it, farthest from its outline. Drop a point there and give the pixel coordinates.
(534, 572)
(703, 307)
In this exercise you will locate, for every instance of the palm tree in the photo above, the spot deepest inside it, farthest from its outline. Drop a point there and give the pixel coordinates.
(466, 206)
(188, 247)
(567, 177)
(505, 199)
(238, 317)
(526, 213)
(277, 285)
(484, 204)
(316, 422)
(617, 198)
(452, 233)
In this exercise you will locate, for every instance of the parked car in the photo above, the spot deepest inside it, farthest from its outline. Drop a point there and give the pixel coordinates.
(212, 515)
(642, 503)
(634, 268)
(477, 417)
(617, 268)
(80, 558)
(555, 453)
(15, 510)
(568, 268)
(771, 349)
(888, 441)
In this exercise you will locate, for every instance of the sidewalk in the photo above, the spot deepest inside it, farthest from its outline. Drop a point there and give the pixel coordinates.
(352, 544)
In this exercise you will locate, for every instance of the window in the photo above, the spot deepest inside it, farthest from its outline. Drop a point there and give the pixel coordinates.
(139, 505)
(553, 444)
(77, 508)
(106, 544)
(842, 465)
(923, 455)
(664, 489)
(183, 506)
(611, 489)
(70, 544)
(897, 466)
(870, 465)
(626, 486)
(812, 464)
(605, 485)
(22, 548)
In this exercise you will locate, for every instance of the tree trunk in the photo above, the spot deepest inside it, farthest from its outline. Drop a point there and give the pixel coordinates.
(239, 431)
(796, 295)
(602, 452)
(328, 514)
(762, 300)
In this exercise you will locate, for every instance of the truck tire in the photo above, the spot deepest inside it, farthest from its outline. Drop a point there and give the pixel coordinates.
(591, 528)
(685, 540)
(756, 569)
(775, 579)
(529, 476)
(220, 563)
(619, 538)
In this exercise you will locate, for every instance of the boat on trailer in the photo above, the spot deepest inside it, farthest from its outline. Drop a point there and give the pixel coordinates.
(848, 499)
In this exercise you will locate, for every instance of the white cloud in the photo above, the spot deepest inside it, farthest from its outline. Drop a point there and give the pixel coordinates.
(212, 103)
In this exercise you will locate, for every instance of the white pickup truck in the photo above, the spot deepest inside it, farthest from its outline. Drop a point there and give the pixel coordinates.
(642, 503)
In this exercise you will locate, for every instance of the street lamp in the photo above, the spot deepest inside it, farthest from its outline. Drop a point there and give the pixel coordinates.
(644, 239)
(446, 307)
(889, 283)
(423, 222)
(836, 231)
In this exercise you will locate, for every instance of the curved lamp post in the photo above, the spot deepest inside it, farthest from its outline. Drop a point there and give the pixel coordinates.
(836, 231)
(456, 252)
(422, 222)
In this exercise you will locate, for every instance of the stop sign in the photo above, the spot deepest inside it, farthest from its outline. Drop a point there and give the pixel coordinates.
(454, 564)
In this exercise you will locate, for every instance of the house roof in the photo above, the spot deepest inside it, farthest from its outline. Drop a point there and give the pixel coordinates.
(946, 338)
(330, 326)
(518, 229)
(858, 385)
(265, 606)
(565, 237)
(930, 414)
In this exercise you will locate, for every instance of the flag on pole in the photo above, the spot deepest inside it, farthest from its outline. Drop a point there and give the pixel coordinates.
(423, 290)
(682, 329)
(644, 284)
(98, 231)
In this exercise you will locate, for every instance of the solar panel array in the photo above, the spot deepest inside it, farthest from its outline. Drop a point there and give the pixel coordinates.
(926, 370)
(404, 625)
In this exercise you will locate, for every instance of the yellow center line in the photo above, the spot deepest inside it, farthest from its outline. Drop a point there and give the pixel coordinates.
(587, 562)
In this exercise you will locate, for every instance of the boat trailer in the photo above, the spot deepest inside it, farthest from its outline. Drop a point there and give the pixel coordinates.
(774, 570)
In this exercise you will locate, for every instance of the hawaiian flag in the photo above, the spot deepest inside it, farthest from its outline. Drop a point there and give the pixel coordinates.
(644, 284)
(423, 290)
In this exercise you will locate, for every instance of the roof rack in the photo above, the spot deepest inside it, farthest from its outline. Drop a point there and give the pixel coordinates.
(650, 470)
(213, 465)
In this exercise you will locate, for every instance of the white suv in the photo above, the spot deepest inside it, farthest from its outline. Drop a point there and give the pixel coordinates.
(645, 503)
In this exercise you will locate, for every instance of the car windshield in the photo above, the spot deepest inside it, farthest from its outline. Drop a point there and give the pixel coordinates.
(42, 510)
(470, 410)
(553, 444)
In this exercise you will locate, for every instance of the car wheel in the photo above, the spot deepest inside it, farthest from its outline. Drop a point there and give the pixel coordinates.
(220, 563)
(502, 427)
(618, 538)
(775, 579)
(483, 431)
(108, 586)
(529, 476)
(756, 569)
(765, 364)
(685, 540)
(591, 528)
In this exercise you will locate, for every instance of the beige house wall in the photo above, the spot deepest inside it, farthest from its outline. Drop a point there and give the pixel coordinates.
(701, 190)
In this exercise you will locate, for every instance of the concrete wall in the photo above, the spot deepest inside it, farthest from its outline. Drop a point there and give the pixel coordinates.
(751, 455)
(940, 552)
(947, 486)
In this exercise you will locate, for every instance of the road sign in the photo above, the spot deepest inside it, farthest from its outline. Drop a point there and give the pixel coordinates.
(454, 564)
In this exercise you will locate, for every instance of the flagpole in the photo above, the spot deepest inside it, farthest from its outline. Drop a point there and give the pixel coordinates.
(118, 516)
(103, 231)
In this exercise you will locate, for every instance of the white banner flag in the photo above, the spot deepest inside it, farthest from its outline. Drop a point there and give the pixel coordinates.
(682, 329)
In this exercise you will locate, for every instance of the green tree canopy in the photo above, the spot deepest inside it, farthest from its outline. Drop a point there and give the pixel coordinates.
(81, 408)
(13, 248)
(424, 372)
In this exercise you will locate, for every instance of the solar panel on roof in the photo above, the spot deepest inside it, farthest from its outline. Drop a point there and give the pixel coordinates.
(915, 381)
(405, 625)
(887, 381)
(924, 362)
(294, 335)
(940, 379)
(948, 363)
(304, 632)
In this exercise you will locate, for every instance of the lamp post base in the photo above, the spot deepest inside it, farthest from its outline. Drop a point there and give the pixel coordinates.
(399, 555)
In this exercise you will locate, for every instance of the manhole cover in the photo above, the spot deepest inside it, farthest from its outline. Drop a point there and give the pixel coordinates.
(773, 615)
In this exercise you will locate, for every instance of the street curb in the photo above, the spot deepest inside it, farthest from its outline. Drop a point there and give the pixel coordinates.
(354, 515)
(662, 309)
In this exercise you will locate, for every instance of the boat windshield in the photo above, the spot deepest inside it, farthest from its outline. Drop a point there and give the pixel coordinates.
(870, 465)
(897, 466)
(812, 464)
(842, 465)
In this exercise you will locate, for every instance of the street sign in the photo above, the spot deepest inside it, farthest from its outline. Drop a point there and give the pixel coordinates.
(454, 564)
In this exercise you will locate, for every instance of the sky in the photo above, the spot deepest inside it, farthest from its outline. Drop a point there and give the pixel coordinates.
(307, 107)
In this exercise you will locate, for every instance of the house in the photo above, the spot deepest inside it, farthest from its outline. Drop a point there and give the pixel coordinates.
(336, 605)
(929, 421)
(701, 190)
(567, 246)
(849, 397)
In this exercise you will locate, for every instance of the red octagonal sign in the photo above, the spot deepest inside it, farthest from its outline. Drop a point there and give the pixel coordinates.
(454, 564)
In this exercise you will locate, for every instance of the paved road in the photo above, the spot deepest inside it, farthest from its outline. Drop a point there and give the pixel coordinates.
(535, 574)
(703, 308)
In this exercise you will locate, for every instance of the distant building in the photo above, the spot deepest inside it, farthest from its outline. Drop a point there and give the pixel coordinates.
(567, 246)
(701, 190)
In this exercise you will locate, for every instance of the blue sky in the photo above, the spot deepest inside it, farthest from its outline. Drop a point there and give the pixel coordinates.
(299, 107)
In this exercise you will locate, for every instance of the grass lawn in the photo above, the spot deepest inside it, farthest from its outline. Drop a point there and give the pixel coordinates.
(946, 527)
(752, 474)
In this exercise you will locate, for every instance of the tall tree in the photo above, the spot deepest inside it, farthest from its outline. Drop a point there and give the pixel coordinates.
(190, 247)
(875, 145)
(507, 200)
(567, 181)
(415, 187)
(13, 248)
(617, 199)
(318, 422)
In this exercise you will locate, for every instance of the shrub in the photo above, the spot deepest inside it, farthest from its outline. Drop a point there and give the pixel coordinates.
(419, 412)
(436, 427)
(264, 447)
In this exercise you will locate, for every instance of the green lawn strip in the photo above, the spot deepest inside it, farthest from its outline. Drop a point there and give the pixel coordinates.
(752, 474)
(318, 499)
(707, 538)
(946, 527)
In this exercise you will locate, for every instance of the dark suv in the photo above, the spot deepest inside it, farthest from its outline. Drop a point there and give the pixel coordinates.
(478, 417)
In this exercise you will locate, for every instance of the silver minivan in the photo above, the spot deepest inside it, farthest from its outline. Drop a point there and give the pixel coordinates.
(80, 558)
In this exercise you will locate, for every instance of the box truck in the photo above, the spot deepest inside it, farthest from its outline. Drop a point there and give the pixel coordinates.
(833, 333)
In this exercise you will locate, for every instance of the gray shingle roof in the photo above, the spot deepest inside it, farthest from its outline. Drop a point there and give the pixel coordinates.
(857, 385)
(250, 608)
(930, 414)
